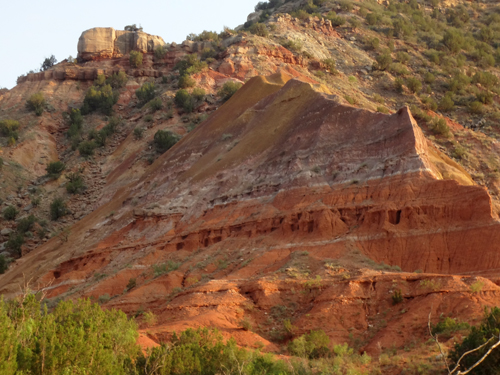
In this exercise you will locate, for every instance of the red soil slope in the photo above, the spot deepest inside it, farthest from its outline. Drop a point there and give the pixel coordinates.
(282, 200)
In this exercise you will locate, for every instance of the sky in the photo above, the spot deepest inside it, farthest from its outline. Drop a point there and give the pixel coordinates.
(34, 29)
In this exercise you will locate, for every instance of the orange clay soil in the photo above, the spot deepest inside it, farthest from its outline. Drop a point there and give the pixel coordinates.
(283, 205)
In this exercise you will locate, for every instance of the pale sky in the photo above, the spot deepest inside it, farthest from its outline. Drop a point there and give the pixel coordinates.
(35, 29)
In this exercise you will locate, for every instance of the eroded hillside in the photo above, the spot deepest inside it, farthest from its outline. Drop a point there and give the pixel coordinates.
(295, 199)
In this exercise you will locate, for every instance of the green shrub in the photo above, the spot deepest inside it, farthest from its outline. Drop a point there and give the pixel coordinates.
(208, 53)
(330, 65)
(58, 209)
(429, 78)
(384, 60)
(98, 137)
(292, 45)
(485, 97)
(15, 243)
(74, 338)
(346, 5)
(146, 93)
(373, 18)
(478, 336)
(4, 265)
(198, 94)
(48, 63)
(55, 168)
(186, 81)
(156, 104)
(75, 184)
(476, 107)
(26, 224)
(448, 326)
(138, 133)
(86, 148)
(165, 268)
(486, 79)
(135, 59)
(160, 52)
(402, 28)
(36, 103)
(453, 40)
(312, 345)
(397, 297)
(374, 43)
(355, 23)
(446, 103)
(414, 85)
(191, 64)
(429, 103)
(132, 283)
(335, 20)
(10, 213)
(164, 140)
(117, 80)
(184, 100)
(439, 126)
(403, 57)
(99, 98)
(8, 128)
(229, 89)
(259, 29)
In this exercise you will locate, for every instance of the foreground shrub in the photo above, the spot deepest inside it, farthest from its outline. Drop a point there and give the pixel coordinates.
(135, 59)
(164, 140)
(36, 103)
(54, 169)
(75, 338)
(312, 345)
(229, 89)
(487, 330)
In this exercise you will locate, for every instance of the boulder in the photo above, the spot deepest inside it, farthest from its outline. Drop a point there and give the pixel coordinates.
(105, 43)
(6, 231)
(98, 42)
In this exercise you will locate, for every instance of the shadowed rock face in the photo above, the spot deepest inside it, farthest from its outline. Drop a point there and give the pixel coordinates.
(105, 42)
(282, 168)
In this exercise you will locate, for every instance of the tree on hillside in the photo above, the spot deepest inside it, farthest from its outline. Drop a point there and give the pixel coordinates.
(133, 27)
(48, 63)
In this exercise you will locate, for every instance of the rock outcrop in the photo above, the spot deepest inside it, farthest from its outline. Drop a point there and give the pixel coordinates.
(105, 42)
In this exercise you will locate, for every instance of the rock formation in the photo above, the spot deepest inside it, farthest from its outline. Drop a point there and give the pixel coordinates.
(280, 178)
(106, 42)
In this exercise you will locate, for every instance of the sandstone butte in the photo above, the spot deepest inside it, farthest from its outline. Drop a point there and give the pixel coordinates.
(283, 199)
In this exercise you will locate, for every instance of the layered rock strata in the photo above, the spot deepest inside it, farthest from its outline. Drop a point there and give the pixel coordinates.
(105, 42)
